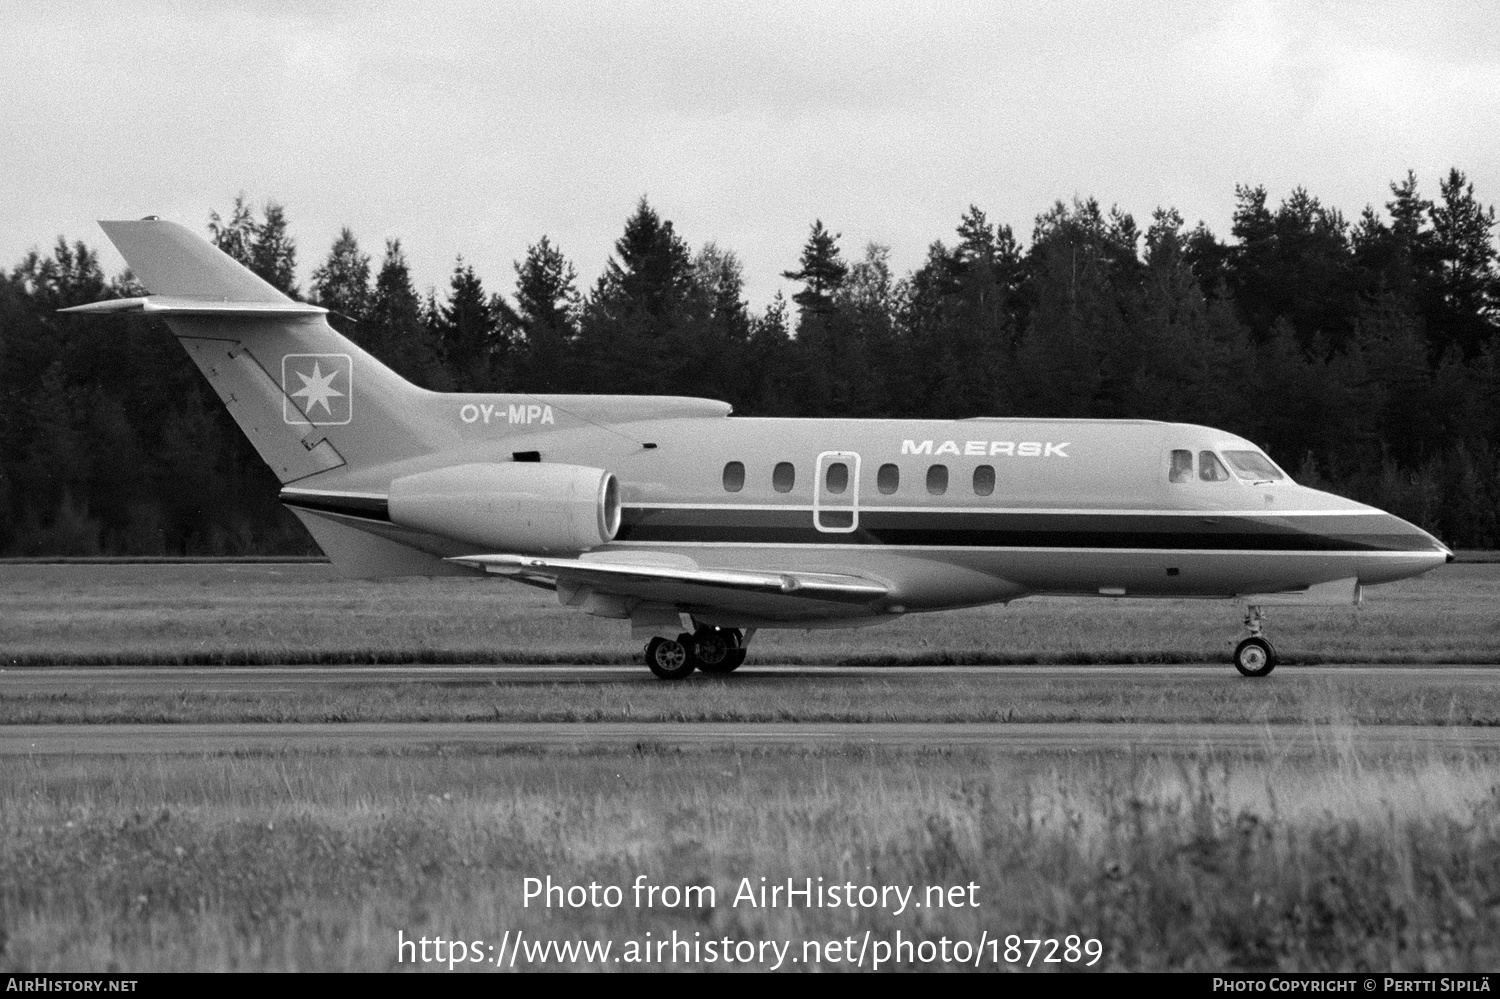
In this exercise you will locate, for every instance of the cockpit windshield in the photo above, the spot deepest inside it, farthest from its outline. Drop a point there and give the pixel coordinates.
(1253, 465)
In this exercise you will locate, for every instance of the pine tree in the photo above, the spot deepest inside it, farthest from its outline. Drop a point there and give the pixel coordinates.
(546, 287)
(822, 272)
(769, 370)
(468, 333)
(719, 279)
(70, 276)
(235, 237)
(1409, 215)
(1209, 258)
(396, 330)
(635, 334)
(266, 247)
(718, 320)
(1296, 264)
(976, 351)
(545, 318)
(1172, 337)
(1397, 398)
(1468, 284)
(273, 255)
(651, 271)
(342, 283)
(1076, 353)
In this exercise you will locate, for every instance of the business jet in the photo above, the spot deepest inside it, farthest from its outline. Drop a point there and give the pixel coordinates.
(700, 529)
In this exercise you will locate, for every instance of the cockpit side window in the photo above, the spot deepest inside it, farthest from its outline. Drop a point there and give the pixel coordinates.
(1253, 465)
(1210, 468)
(1182, 466)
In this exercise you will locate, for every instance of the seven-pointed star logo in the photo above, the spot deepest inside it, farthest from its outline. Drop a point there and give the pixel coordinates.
(319, 388)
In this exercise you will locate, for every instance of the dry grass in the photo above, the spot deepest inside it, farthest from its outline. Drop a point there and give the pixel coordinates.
(314, 863)
(1345, 859)
(1215, 695)
(256, 614)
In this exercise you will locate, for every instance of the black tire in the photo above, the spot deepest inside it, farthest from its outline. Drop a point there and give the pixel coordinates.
(1255, 657)
(668, 658)
(718, 651)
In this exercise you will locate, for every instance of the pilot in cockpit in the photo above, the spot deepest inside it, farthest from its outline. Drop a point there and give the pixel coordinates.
(1182, 467)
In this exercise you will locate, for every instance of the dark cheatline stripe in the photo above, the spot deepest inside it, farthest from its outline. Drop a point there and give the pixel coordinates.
(368, 507)
(1334, 532)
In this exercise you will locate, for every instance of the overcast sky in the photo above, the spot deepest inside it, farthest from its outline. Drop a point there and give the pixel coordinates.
(476, 129)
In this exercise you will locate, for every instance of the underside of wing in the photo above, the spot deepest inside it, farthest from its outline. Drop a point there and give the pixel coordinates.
(678, 581)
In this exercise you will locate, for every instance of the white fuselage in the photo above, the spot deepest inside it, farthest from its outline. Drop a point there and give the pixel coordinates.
(975, 511)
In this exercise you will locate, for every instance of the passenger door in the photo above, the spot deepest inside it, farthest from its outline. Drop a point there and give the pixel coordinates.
(836, 492)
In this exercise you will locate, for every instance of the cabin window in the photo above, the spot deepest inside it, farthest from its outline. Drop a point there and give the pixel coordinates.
(1182, 467)
(937, 480)
(783, 477)
(1253, 465)
(984, 480)
(734, 476)
(1210, 468)
(888, 479)
(836, 479)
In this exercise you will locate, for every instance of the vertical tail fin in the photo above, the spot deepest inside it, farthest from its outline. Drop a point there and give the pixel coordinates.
(307, 397)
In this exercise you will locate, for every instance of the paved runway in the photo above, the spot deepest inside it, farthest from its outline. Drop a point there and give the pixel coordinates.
(271, 679)
(363, 737)
(359, 737)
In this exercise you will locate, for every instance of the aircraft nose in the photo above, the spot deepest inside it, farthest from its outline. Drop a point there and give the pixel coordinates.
(1403, 548)
(1437, 547)
(1431, 539)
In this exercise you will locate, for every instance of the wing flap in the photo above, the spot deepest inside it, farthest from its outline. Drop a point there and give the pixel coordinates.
(624, 576)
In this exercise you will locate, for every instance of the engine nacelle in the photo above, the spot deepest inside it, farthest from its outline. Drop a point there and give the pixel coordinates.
(526, 507)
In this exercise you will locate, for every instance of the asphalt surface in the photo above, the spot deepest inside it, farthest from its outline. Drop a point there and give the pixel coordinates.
(364, 737)
(44, 680)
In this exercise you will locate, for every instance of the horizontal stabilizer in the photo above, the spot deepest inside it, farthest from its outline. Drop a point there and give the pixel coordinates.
(174, 306)
(619, 576)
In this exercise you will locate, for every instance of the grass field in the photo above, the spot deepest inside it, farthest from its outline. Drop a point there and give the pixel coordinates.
(1338, 858)
(300, 614)
(1216, 695)
(316, 863)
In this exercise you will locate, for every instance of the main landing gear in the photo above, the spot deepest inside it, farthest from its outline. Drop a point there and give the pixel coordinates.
(1254, 656)
(718, 651)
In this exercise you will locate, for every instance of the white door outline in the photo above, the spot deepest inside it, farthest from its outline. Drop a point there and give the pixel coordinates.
(840, 509)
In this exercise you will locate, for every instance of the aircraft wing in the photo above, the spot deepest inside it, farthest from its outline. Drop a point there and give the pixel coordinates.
(648, 577)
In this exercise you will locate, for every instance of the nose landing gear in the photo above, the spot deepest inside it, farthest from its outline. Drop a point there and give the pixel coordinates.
(1254, 656)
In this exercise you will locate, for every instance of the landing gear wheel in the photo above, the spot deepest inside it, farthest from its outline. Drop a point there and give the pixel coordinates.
(1255, 657)
(719, 651)
(668, 658)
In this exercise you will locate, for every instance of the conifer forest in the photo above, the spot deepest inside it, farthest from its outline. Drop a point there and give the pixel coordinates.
(1361, 353)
